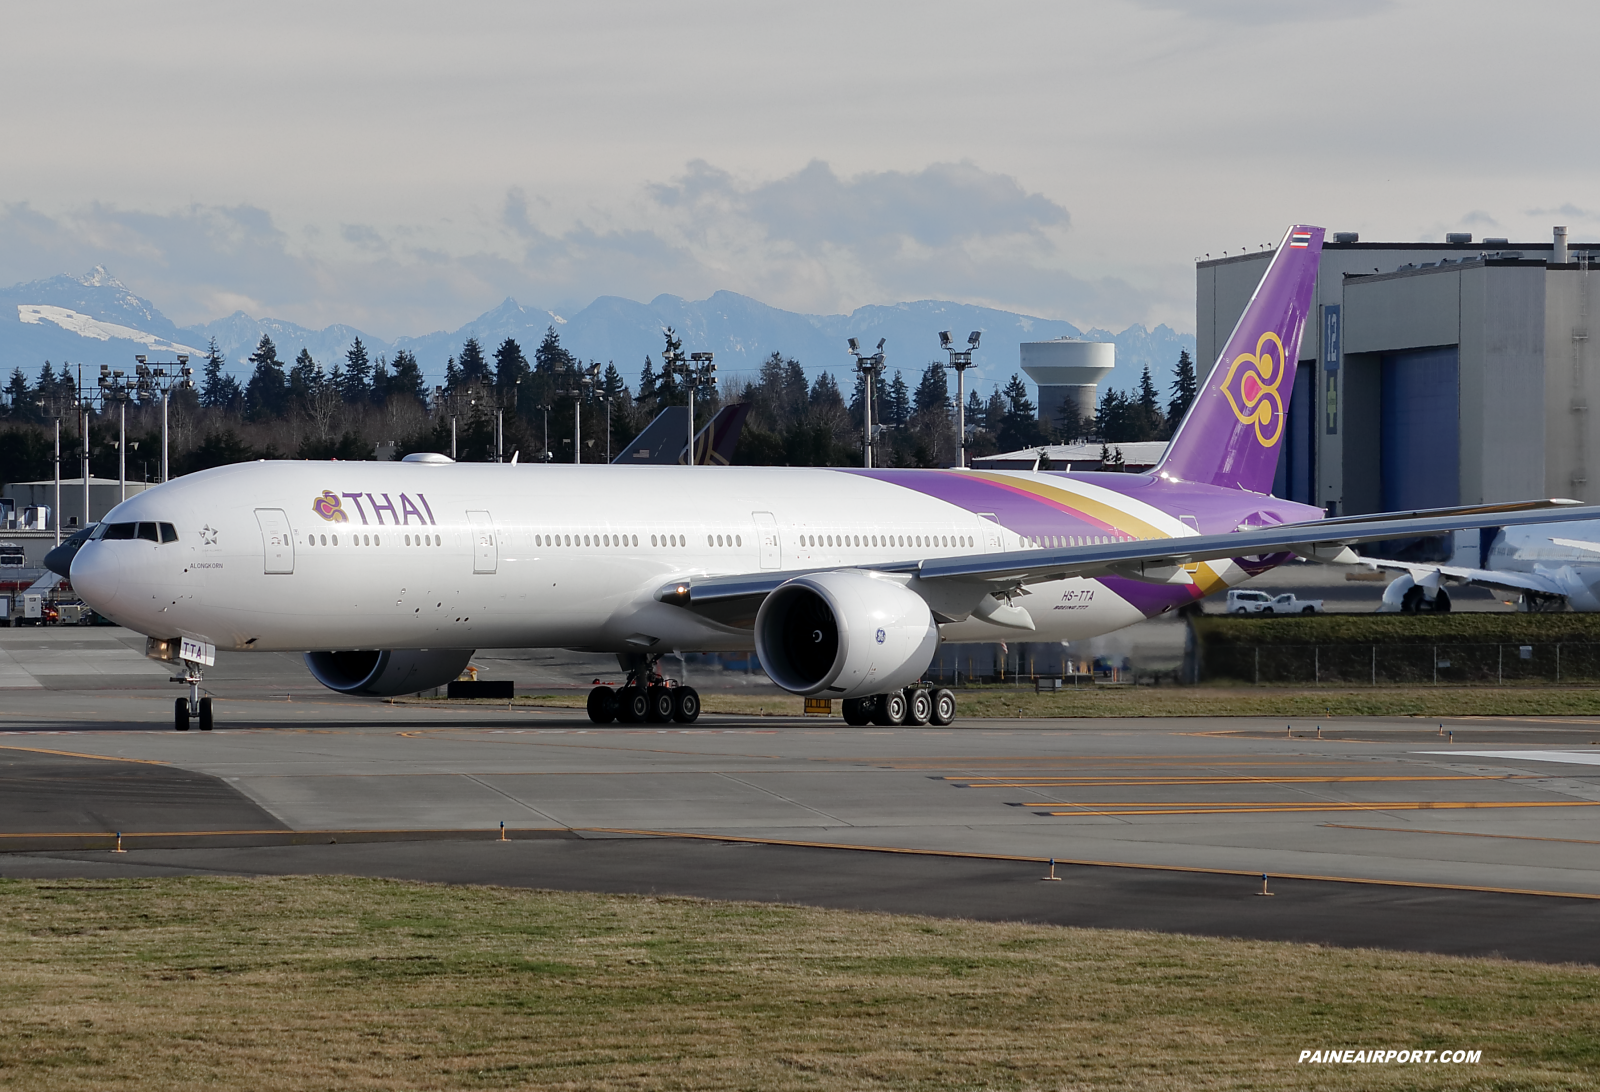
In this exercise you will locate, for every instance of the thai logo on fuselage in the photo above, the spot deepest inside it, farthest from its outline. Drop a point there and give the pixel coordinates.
(1251, 388)
(330, 507)
(402, 511)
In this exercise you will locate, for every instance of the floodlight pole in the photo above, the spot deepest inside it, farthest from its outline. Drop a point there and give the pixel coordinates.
(696, 369)
(960, 361)
(870, 367)
(55, 515)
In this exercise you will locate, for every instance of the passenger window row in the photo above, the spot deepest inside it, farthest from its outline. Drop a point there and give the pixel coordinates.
(150, 532)
(373, 540)
(589, 540)
(908, 541)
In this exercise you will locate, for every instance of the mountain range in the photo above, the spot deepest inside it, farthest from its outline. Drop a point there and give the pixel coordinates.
(95, 319)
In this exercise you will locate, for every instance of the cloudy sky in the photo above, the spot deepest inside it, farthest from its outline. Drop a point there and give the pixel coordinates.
(405, 166)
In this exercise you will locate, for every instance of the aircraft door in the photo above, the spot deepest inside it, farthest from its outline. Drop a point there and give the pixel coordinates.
(277, 540)
(485, 552)
(767, 539)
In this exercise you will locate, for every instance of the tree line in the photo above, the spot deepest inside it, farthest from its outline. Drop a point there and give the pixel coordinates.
(493, 404)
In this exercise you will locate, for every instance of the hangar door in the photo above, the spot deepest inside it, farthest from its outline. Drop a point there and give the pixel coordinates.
(1420, 429)
(1295, 478)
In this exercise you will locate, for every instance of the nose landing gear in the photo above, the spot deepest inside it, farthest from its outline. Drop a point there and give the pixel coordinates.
(194, 707)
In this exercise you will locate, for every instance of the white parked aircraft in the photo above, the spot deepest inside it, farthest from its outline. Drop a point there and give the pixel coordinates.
(389, 575)
(1551, 566)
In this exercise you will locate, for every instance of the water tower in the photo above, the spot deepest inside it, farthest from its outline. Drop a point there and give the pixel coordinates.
(1067, 368)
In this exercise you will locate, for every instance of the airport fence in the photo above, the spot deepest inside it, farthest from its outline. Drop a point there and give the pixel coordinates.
(1454, 664)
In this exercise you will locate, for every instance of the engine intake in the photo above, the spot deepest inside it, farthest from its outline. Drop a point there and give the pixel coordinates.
(382, 673)
(845, 634)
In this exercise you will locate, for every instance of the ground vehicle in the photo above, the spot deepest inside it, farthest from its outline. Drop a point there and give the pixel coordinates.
(1259, 602)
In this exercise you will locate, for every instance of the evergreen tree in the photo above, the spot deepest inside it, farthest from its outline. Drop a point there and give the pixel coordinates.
(825, 394)
(510, 365)
(380, 380)
(1019, 424)
(933, 392)
(1149, 421)
(267, 393)
(1184, 388)
(452, 375)
(474, 368)
(407, 378)
(218, 389)
(550, 358)
(305, 378)
(357, 373)
(19, 393)
(899, 401)
(647, 383)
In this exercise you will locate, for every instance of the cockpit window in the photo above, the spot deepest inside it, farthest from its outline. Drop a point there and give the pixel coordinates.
(99, 530)
(120, 530)
(169, 533)
(148, 532)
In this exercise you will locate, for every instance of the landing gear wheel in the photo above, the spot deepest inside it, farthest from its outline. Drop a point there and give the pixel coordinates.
(858, 711)
(603, 705)
(180, 715)
(944, 707)
(1441, 602)
(205, 715)
(658, 705)
(685, 705)
(891, 710)
(919, 706)
(632, 705)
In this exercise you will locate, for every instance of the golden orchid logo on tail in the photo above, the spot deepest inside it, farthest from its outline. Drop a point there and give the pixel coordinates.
(1251, 388)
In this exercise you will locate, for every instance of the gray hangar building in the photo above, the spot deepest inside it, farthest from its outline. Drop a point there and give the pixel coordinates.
(1432, 374)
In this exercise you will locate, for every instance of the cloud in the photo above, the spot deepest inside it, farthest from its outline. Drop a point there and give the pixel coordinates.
(1478, 216)
(1569, 210)
(1260, 12)
(812, 240)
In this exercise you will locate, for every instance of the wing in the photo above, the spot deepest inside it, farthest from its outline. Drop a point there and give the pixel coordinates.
(949, 581)
(1489, 578)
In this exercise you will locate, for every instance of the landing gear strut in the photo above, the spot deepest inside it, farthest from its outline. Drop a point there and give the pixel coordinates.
(647, 697)
(194, 707)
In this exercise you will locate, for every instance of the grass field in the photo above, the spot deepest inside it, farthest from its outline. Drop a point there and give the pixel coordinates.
(318, 983)
(1199, 701)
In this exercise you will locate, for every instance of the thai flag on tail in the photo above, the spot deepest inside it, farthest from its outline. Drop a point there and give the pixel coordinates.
(1300, 240)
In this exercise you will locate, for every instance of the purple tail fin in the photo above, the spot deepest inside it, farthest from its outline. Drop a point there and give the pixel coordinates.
(1232, 434)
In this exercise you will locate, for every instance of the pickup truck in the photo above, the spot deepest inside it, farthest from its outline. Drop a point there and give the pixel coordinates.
(1258, 602)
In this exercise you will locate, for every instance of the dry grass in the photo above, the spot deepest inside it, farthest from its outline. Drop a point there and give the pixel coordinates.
(314, 983)
(1200, 701)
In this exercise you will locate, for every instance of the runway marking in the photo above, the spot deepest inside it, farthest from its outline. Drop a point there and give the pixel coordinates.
(1124, 782)
(80, 754)
(1253, 874)
(1246, 807)
(1467, 834)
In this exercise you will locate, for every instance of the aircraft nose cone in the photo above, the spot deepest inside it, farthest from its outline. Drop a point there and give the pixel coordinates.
(96, 574)
(59, 560)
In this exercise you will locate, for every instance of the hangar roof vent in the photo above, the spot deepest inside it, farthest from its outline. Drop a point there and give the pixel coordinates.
(1458, 237)
(1496, 242)
(1347, 236)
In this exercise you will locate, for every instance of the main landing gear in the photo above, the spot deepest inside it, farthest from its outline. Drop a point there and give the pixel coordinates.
(913, 705)
(646, 698)
(194, 707)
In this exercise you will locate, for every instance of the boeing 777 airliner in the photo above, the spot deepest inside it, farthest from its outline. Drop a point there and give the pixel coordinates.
(389, 575)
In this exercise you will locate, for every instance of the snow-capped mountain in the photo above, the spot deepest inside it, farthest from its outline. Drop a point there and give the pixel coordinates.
(96, 319)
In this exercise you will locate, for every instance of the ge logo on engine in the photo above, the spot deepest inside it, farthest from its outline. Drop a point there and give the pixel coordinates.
(881, 636)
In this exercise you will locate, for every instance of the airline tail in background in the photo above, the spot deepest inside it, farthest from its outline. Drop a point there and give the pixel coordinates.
(1233, 433)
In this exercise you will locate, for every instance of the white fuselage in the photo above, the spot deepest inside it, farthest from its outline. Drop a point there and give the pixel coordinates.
(302, 556)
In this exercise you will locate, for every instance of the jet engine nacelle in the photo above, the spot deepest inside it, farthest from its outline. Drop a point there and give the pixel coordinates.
(384, 673)
(844, 634)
